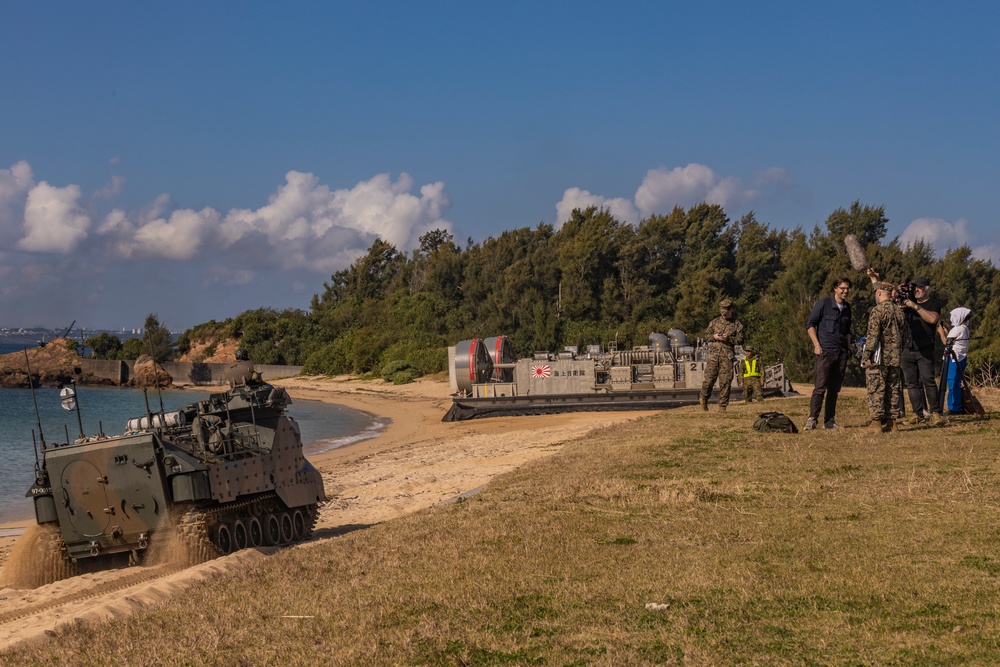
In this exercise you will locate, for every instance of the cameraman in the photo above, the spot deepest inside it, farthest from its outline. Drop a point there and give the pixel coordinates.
(922, 312)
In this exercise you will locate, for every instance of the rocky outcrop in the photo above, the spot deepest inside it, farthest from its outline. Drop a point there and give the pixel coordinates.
(146, 373)
(55, 364)
(212, 351)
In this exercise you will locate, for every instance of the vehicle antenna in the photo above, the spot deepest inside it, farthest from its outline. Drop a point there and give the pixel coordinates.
(149, 415)
(156, 381)
(253, 415)
(34, 445)
(79, 419)
(31, 385)
(229, 430)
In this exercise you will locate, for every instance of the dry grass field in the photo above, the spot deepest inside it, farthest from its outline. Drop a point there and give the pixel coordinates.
(683, 538)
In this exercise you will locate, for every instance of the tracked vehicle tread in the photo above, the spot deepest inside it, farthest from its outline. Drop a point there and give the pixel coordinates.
(198, 527)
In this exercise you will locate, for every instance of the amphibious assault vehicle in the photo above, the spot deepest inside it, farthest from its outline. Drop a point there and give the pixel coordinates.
(215, 476)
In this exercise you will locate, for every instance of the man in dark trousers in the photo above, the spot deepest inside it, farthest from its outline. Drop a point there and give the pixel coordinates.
(922, 313)
(829, 329)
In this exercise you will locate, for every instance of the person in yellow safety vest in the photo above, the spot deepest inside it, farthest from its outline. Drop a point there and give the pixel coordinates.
(751, 377)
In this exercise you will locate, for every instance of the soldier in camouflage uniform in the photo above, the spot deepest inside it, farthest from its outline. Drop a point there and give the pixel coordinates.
(881, 357)
(723, 333)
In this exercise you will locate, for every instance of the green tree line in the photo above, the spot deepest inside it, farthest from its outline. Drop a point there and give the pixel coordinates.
(597, 279)
(155, 342)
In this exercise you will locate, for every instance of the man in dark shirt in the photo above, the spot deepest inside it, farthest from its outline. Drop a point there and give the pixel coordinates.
(922, 313)
(829, 328)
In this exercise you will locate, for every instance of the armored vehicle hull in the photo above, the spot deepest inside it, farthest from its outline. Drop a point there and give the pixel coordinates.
(213, 477)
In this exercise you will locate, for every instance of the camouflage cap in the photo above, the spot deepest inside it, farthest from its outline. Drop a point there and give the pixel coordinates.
(884, 286)
(726, 303)
(749, 350)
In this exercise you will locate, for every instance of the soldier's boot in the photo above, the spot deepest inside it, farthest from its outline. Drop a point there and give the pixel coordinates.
(722, 408)
(937, 419)
(889, 426)
(875, 426)
(704, 403)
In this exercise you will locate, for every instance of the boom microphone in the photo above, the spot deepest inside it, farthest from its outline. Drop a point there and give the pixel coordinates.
(856, 253)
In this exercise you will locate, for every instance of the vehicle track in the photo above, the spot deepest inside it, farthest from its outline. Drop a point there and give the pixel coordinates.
(99, 589)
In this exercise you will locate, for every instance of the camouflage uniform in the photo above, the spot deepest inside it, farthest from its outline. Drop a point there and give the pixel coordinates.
(751, 383)
(886, 326)
(720, 356)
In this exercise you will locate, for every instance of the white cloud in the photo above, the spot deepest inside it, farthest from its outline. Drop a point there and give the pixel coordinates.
(775, 176)
(943, 235)
(112, 189)
(15, 183)
(575, 198)
(311, 226)
(687, 186)
(155, 234)
(178, 237)
(53, 219)
(304, 225)
(228, 278)
(937, 232)
(380, 207)
(990, 253)
(662, 189)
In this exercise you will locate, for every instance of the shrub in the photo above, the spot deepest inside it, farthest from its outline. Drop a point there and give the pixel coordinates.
(330, 359)
(400, 372)
(426, 358)
(405, 376)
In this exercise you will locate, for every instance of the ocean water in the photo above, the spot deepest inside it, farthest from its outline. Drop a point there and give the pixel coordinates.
(324, 426)
(10, 344)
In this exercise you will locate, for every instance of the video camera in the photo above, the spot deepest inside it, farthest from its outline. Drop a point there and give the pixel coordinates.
(904, 293)
(901, 293)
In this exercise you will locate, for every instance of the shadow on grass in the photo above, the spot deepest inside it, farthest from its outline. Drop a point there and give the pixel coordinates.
(323, 533)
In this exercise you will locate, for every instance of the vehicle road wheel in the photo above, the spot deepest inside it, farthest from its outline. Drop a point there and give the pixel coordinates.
(240, 534)
(272, 530)
(224, 538)
(255, 533)
(286, 528)
(298, 525)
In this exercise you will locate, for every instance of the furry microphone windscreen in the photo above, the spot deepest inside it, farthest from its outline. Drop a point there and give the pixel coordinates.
(856, 253)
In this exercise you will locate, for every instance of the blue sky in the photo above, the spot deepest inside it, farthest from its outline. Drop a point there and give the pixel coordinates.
(200, 159)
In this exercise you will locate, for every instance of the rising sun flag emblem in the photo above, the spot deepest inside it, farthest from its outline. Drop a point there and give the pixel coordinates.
(541, 371)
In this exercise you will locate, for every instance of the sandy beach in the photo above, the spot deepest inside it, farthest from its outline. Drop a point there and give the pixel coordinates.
(419, 460)
(416, 462)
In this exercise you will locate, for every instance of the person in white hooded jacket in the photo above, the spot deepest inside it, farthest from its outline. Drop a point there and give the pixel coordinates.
(958, 336)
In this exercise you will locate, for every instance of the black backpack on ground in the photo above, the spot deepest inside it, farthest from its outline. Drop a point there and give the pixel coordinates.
(774, 421)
